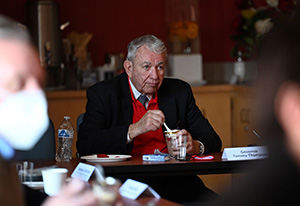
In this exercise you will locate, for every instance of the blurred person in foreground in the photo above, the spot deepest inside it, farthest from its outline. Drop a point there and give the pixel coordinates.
(116, 122)
(276, 181)
(24, 119)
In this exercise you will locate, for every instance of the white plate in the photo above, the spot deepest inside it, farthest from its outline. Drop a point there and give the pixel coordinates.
(110, 158)
(35, 185)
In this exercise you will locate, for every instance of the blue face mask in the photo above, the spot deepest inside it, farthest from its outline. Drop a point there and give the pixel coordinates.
(23, 118)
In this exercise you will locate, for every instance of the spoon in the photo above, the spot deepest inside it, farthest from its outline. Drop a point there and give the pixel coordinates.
(99, 171)
(168, 129)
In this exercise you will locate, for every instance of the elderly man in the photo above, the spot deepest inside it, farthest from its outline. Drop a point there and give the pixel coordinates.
(23, 117)
(116, 122)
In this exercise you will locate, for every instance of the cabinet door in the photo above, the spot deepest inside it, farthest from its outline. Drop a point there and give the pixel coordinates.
(243, 125)
(217, 109)
(69, 103)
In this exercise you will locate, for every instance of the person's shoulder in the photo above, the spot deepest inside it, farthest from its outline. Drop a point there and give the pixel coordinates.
(174, 83)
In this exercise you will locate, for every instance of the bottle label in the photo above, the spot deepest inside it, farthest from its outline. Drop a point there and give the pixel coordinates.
(64, 133)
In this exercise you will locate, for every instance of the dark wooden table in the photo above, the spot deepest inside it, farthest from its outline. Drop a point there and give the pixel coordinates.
(151, 201)
(135, 166)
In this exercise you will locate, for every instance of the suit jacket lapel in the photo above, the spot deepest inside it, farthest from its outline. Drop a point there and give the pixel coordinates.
(167, 105)
(125, 98)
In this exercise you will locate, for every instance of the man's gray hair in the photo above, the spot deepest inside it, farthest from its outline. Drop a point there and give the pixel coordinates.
(10, 29)
(152, 42)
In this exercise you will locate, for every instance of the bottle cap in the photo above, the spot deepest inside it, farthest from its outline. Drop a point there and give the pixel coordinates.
(66, 117)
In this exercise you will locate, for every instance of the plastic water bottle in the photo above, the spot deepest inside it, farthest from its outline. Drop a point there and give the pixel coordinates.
(65, 139)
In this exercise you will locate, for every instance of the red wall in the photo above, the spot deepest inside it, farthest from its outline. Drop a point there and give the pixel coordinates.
(116, 22)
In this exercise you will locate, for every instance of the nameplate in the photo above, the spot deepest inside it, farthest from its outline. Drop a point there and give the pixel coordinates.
(83, 171)
(245, 153)
(133, 189)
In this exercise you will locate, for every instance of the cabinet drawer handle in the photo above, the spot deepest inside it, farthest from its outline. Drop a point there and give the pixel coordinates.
(242, 115)
(247, 116)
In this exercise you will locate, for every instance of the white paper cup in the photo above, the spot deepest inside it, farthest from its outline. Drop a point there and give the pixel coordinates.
(54, 179)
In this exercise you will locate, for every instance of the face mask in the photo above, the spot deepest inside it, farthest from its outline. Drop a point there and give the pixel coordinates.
(23, 118)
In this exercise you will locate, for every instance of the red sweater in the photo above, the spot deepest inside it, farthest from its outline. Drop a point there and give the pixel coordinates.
(148, 142)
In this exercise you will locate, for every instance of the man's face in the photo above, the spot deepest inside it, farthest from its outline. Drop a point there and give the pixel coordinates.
(147, 70)
(19, 68)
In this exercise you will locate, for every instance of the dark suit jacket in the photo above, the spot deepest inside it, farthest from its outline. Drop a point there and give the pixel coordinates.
(109, 113)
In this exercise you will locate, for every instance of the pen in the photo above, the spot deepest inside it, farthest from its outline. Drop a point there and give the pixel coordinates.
(258, 136)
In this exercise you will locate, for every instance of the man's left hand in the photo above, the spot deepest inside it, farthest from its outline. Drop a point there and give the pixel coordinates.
(192, 146)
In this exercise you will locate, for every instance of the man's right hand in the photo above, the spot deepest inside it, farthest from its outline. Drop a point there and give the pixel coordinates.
(151, 121)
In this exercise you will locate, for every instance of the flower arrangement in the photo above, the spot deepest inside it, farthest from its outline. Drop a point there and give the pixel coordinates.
(257, 18)
(184, 30)
(181, 35)
(183, 26)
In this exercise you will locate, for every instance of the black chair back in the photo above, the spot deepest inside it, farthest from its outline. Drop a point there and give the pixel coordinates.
(44, 149)
(79, 121)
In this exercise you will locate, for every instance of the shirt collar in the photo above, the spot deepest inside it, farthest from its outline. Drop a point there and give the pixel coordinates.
(135, 92)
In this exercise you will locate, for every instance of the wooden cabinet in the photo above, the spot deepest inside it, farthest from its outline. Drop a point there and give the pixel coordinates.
(66, 103)
(218, 104)
(244, 125)
(228, 109)
(217, 109)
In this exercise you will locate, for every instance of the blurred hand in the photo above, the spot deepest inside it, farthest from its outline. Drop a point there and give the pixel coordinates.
(151, 121)
(192, 146)
(75, 193)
